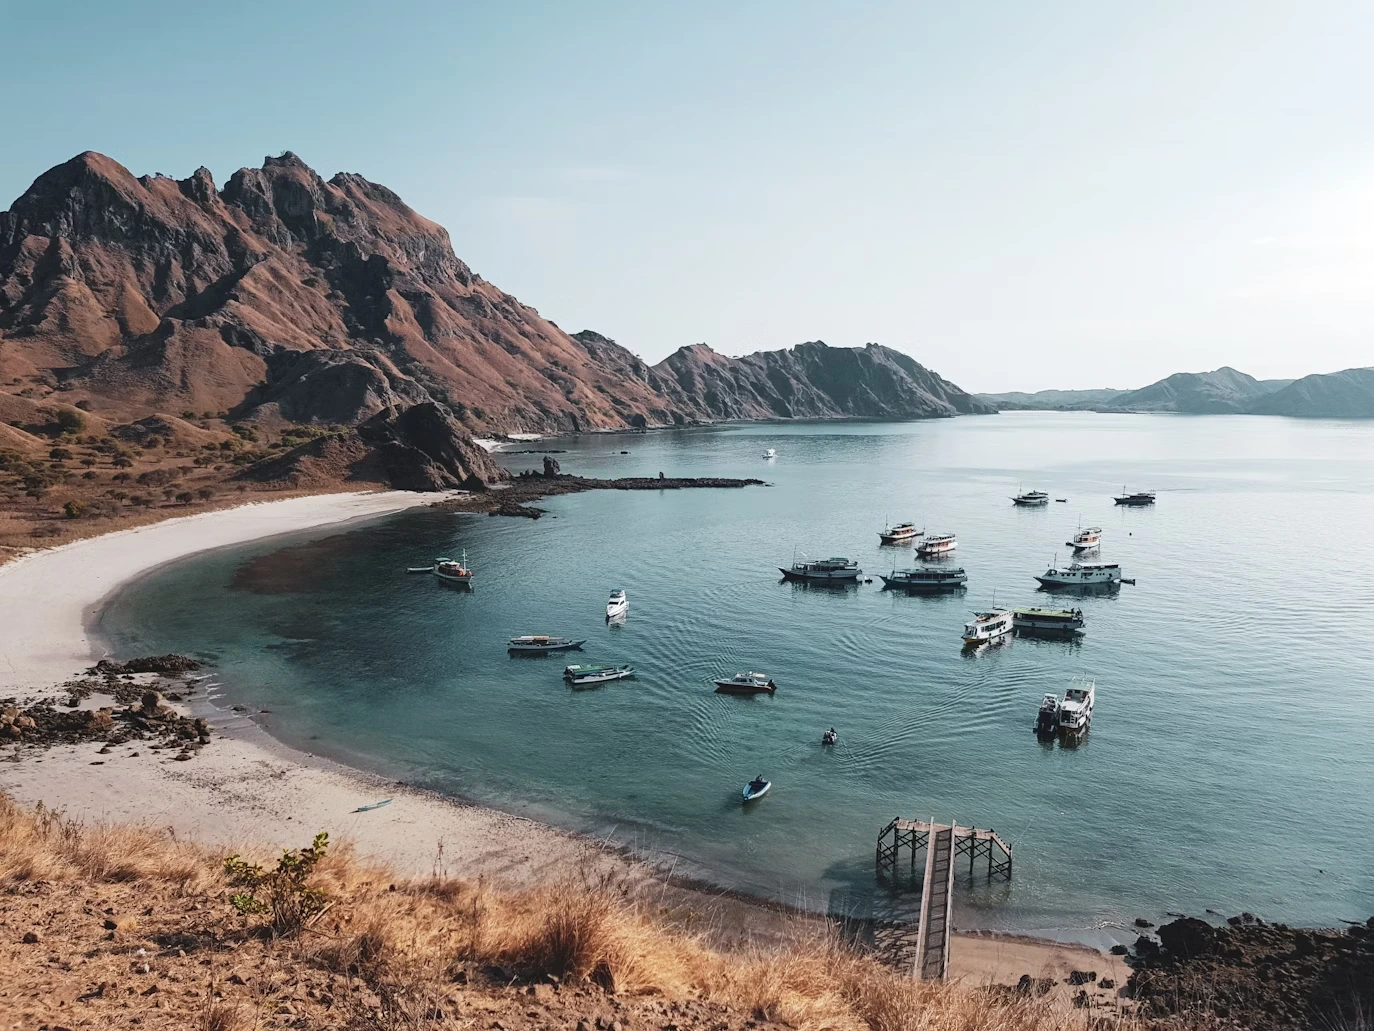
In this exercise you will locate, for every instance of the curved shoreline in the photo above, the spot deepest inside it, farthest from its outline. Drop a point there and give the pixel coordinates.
(248, 788)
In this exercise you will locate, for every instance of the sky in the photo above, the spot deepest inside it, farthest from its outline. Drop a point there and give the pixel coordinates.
(1019, 195)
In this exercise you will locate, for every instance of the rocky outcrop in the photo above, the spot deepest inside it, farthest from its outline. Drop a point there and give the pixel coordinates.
(424, 448)
(1337, 395)
(1220, 391)
(809, 381)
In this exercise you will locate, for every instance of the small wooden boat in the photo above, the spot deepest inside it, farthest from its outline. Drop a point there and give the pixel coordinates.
(747, 683)
(543, 643)
(756, 789)
(605, 675)
(374, 805)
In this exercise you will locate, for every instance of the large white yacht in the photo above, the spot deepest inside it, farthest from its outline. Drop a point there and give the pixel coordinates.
(618, 605)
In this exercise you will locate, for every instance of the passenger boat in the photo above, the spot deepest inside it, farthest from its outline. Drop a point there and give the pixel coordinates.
(542, 643)
(1031, 499)
(605, 675)
(453, 572)
(1085, 540)
(618, 605)
(1048, 621)
(756, 789)
(987, 626)
(1047, 719)
(1081, 574)
(583, 668)
(926, 578)
(770, 453)
(937, 544)
(1136, 500)
(824, 570)
(902, 533)
(1076, 710)
(747, 683)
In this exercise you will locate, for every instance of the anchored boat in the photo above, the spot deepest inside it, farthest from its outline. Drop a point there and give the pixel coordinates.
(770, 453)
(543, 643)
(925, 578)
(1031, 499)
(937, 544)
(987, 626)
(747, 683)
(1076, 710)
(824, 571)
(1136, 500)
(602, 675)
(618, 605)
(902, 533)
(1047, 719)
(1085, 540)
(1082, 574)
(1048, 621)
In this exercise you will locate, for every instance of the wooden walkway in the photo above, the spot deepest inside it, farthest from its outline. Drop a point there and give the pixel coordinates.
(944, 845)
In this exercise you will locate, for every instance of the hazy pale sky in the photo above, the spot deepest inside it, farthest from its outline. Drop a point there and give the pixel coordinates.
(1020, 195)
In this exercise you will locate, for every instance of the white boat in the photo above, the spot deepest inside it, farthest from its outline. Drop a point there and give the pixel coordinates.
(452, 571)
(618, 605)
(1031, 499)
(987, 626)
(756, 789)
(902, 533)
(1048, 621)
(770, 453)
(747, 683)
(937, 544)
(1047, 719)
(1085, 540)
(604, 675)
(926, 578)
(582, 668)
(823, 570)
(1076, 710)
(543, 643)
(1081, 574)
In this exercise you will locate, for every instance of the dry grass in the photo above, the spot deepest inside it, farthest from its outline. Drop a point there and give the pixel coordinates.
(392, 955)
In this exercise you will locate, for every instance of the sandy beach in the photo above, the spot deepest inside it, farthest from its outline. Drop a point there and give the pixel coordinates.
(245, 790)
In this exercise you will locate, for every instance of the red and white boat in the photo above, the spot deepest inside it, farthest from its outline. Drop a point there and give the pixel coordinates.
(1086, 539)
(937, 544)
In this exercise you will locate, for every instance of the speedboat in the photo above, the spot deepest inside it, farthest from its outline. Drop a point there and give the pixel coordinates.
(747, 683)
(1076, 710)
(823, 570)
(756, 788)
(987, 626)
(1047, 720)
(1085, 540)
(1031, 498)
(1136, 500)
(1081, 574)
(1047, 621)
(829, 737)
(604, 675)
(619, 605)
(453, 572)
(770, 453)
(902, 533)
(937, 544)
(925, 578)
(543, 643)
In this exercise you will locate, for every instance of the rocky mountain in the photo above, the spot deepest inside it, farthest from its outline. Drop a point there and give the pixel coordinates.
(809, 381)
(1223, 390)
(1339, 395)
(1061, 400)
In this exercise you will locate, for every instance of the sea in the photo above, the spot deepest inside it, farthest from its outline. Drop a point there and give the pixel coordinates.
(1230, 762)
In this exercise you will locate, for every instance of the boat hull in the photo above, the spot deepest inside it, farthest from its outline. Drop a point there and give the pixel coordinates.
(540, 649)
(838, 576)
(597, 679)
(725, 687)
(922, 586)
(750, 794)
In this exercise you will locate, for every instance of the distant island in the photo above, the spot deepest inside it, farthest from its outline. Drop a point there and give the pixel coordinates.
(1341, 395)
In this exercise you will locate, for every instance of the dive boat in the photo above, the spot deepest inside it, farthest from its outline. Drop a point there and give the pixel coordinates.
(1081, 574)
(543, 643)
(756, 788)
(902, 533)
(1047, 719)
(604, 675)
(453, 572)
(937, 544)
(987, 626)
(747, 683)
(1076, 710)
(770, 453)
(1031, 499)
(925, 578)
(1136, 500)
(618, 605)
(1048, 621)
(1085, 540)
(823, 570)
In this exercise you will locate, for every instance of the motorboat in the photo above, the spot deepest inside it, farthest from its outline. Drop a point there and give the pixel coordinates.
(599, 676)
(829, 737)
(770, 453)
(902, 533)
(1031, 499)
(987, 626)
(823, 570)
(937, 544)
(1081, 574)
(1047, 621)
(1047, 719)
(925, 578)
(1086, 539)
(618, 605)
(1136, 500)
(756, 789)
(543, 643)
(747, 683)
(453, 571)
(582, 668)
(1076, 710)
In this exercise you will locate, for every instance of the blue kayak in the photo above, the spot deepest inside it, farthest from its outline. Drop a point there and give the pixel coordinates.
(756, 788)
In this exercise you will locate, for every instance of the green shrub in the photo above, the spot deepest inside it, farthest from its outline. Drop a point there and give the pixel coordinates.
(282, 892)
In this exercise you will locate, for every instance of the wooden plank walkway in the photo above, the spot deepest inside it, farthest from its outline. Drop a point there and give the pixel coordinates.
(937, 892)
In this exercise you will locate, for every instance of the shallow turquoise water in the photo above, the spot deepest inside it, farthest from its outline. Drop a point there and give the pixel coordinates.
(1230, 765)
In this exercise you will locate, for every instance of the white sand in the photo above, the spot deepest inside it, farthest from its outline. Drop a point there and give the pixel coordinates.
(246, 790)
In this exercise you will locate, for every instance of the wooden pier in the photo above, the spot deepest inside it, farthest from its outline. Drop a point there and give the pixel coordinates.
(944, 846)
